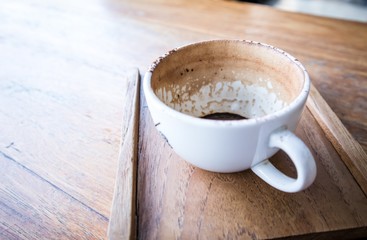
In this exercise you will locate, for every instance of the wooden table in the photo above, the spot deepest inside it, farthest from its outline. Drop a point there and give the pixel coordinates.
(62, 68)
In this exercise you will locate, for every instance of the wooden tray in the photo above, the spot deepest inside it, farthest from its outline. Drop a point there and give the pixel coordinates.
(166, 198)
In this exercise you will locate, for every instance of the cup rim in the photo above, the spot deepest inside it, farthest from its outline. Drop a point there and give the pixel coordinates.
(154, 100)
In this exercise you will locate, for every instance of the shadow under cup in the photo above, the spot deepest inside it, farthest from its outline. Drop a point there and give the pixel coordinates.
(240, 79)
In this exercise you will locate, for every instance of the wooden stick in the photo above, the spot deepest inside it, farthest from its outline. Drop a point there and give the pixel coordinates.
(122, 224)
(353, 155)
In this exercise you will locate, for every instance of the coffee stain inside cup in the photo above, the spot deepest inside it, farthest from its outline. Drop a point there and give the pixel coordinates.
(219, 99)
(224, 116)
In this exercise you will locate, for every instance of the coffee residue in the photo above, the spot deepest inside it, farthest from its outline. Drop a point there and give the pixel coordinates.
(224, 116)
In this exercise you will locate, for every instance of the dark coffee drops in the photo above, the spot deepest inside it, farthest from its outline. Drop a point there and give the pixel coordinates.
(224, 116)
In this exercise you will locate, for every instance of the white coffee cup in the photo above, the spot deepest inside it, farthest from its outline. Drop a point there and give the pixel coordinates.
(254, 80)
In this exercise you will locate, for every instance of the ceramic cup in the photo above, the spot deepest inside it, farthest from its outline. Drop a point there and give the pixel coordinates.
(263, 84)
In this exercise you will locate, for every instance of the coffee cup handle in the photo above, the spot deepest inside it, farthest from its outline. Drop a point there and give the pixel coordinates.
(300, 156)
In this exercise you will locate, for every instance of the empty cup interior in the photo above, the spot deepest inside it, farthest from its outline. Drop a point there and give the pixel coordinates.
(239, 77)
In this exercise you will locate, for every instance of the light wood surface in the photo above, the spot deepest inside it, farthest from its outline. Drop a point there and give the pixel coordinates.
(62, 71)
(122, 224)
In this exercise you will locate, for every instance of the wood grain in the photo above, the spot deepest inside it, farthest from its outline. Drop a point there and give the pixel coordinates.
(60, 106)
(34, 208)
(63, 67)
(123, 212)
(177, 200)
(347, 147)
